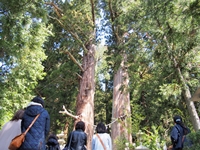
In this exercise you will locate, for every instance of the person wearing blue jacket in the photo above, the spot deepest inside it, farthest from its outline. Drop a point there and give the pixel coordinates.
(36, 136)
(178, 133)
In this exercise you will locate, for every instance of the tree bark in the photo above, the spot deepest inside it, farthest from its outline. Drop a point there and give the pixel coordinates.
(190, 104)
(121, 105)
(186, 93)
(85, 98)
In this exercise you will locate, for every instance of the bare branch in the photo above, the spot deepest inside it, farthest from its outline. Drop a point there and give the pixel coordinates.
(79, 76)
(68, 113)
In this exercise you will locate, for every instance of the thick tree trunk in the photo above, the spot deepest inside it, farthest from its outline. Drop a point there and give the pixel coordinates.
(85, 99)
(121, 106)
(190, 104)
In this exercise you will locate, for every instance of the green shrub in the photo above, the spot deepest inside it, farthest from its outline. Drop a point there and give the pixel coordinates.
(150, 139)
(194, 141)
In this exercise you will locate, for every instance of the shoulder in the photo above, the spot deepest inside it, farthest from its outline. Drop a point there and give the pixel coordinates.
(94, 137)
(7, 124)
(107, 135)
(45, 112)
(82, 133)
(15, 122)
(104, 135)
(177, 127)
(18, 121)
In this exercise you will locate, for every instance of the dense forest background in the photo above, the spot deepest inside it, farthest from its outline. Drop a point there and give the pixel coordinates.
(43, 45)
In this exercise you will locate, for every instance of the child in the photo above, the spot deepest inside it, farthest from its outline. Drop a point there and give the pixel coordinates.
(52, 143)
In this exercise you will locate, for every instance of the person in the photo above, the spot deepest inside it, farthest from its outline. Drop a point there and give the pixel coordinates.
(52, 143)
(77, 139)
(178, 133)
(11, 129)
(104, 137)
(35, 137)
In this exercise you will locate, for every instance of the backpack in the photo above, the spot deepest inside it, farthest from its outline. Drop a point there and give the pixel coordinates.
(50, 147)
(185, 132)
(52, 143)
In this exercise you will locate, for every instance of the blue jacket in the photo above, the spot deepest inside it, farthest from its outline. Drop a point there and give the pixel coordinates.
(35, 138)
(177, 136)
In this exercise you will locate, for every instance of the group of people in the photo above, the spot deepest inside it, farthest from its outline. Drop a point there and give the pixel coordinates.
(36, 136)
(38, 133)
(77, 140)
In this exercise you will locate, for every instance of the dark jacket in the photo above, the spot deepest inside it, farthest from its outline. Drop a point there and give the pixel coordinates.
(35, 138)
(52, 144)
(177, 134)
(78, 140)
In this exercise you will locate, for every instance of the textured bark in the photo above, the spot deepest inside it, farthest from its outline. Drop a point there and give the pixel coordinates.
(85, 99)
(186, 93)
(121, 105)
(190, 104)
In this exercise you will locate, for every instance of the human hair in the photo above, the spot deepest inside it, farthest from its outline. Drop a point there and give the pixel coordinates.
(80, 125)
(101, 128)
(18, 115)
(39, 100)
(52, 136)
(178, 120)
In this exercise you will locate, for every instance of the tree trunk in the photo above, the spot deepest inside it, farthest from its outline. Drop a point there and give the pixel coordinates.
(121, 106)
(187, 95)
(85, 99)
(190, 104)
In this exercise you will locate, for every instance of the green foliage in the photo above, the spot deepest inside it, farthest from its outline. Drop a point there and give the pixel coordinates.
(120, 143)
(153, 139)
(150, 138)
(152, 33)
(155, 83)
(73, 33)
(22, 37)
(103, 93)
(194, 137)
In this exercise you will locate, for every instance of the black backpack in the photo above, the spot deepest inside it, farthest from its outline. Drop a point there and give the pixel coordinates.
(185, 132)
(52, 147)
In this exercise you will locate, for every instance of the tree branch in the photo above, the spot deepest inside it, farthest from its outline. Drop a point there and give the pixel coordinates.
(58, 11)
(68, 113)
(115, 30)
(79, 76)
(74, 60)
(73, 34)
(92, 8)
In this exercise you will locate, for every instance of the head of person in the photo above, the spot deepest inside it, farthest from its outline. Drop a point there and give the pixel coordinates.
(80, 125)
(53, 136)
(101, 128)
(18, 115)
(177, 119)
(39, 100)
